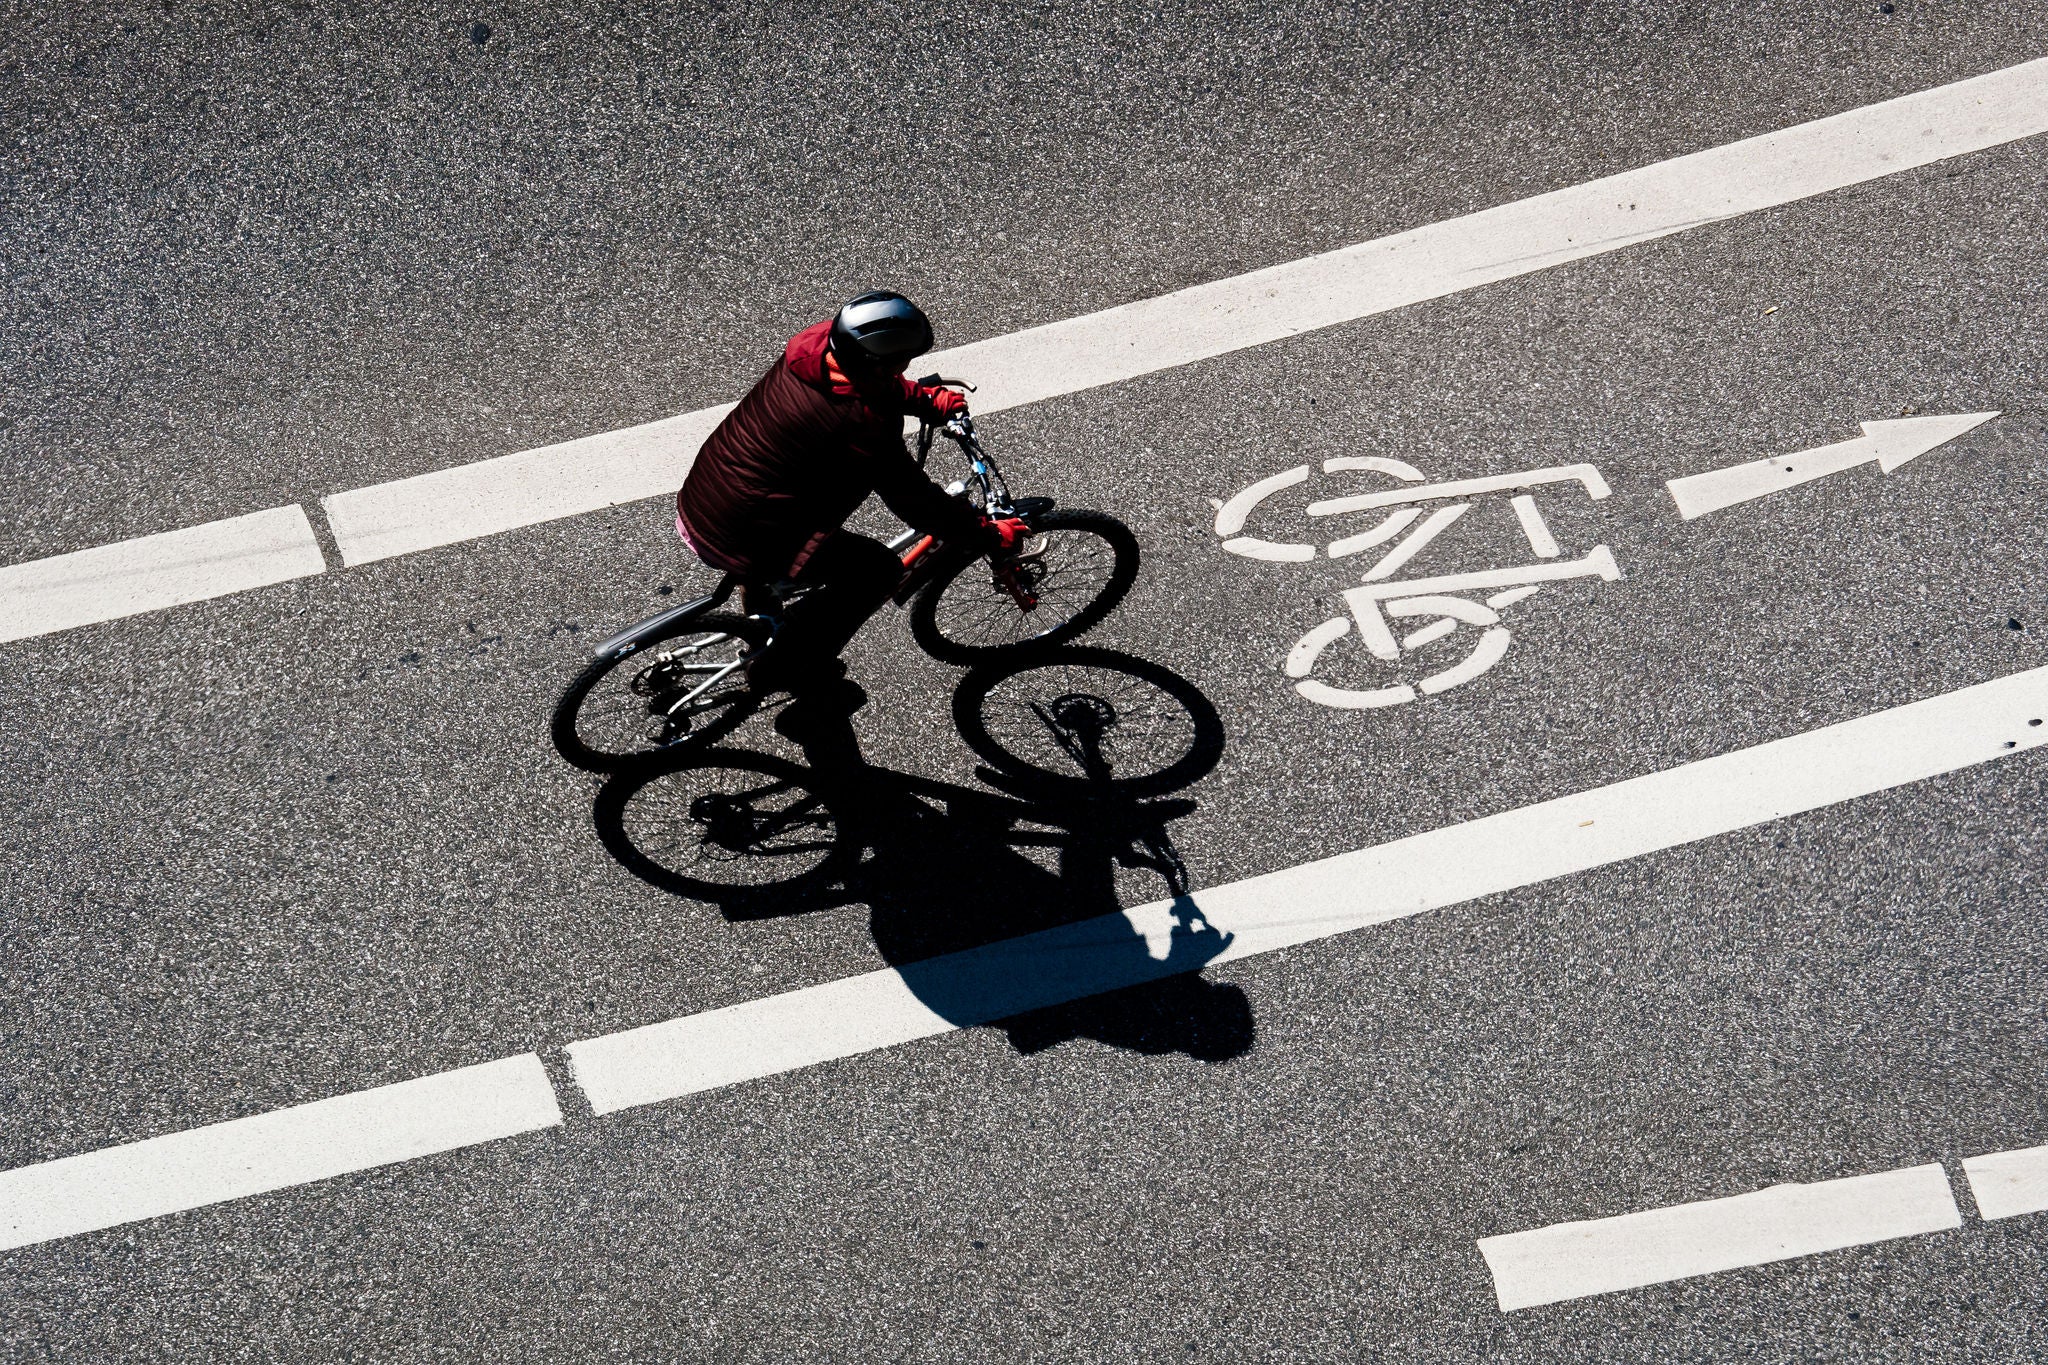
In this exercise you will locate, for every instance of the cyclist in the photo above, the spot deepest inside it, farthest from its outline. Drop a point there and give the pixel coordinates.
(821, 431)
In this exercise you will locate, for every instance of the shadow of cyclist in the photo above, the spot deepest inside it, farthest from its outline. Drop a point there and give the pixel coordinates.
(995, 906)
(982, 932)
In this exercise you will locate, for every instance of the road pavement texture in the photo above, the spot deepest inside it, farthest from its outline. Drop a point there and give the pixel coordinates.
(1761, 1040)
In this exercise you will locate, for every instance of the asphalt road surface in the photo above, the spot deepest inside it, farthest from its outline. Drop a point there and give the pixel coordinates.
(298, 842)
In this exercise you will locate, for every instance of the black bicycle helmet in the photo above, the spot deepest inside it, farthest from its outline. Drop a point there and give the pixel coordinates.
(880, 331)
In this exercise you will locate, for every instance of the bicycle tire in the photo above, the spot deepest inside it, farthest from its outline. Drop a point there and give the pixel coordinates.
(575, 736)
(1058, 525)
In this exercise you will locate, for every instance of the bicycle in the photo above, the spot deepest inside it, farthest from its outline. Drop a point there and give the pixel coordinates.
(679, 677)
(1079, 740)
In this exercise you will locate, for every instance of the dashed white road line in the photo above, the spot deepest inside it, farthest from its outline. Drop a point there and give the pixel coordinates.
(1574, 1260)
(700, 1052)
(2006, 1184)
(1604, 1255)
(1429, 871)
(465, 502)
(1247, 310)
(271, 1151)
(468, 501)
(150, 572)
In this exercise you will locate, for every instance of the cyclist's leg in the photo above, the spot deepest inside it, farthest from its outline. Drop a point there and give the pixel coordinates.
(851, 576)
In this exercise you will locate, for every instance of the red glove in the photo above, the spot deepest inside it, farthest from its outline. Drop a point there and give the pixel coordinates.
(945, 404)
(1006, 535)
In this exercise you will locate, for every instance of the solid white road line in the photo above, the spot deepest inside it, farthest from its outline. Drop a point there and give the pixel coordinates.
(2006, 1184)
(248, 1156)
(1227, 315)
(461, 503)
(1573, 1260)
(1427, 871)
(164, 570)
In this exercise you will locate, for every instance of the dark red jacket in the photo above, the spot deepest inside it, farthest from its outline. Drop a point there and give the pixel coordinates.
(797, 456)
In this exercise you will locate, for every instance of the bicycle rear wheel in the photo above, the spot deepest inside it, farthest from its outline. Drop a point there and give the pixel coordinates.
(1076, 568)
(688, 687)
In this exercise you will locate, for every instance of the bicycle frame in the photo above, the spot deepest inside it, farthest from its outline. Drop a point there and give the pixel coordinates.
(912, 546)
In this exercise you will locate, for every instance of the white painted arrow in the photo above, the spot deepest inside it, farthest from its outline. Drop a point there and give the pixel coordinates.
(1891, 444)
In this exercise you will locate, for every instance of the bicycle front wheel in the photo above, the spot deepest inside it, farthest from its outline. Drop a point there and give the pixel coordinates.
(1076, 567)
(690, 687)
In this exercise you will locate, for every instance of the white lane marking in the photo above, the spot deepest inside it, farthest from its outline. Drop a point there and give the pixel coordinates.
(1378, 535)
(2006, 1184)
(1573, 1260)
(1890, 443)
(1320, 291)
(163, 570)
(270, 1151)
(1507, 241)
(1251, 547)
(465, 502)
(1302, 658)
(1583, 474)
(1541, 542)
(1428, 871)
(1418, 539)
(1230, 517)
(880, 1009)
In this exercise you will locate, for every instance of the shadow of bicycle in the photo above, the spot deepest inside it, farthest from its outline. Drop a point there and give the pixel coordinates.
(998, 905)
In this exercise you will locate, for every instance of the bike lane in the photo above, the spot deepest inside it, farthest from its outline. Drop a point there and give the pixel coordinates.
(1772, 1013)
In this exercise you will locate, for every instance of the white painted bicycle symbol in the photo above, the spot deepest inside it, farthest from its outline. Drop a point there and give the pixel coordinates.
(1443, 603)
